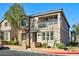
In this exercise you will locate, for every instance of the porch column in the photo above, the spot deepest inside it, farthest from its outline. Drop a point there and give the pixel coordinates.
(59, 26)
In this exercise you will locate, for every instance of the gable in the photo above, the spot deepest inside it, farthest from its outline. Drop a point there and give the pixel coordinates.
(5, 26)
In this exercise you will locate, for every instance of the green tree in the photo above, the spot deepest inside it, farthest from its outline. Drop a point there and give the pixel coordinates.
(13, 16)
(75, 31)
(76, 28)
(73, 34)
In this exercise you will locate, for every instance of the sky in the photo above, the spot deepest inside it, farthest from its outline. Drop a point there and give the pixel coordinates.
(71, 10)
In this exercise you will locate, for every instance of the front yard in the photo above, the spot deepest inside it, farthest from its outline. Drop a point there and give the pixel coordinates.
(73, 49)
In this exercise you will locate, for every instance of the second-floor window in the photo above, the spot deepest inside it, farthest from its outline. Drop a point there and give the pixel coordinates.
(5, 23)
(24, 22)
(43, 23)
(53, 20)
(48, 21)
(55, 17)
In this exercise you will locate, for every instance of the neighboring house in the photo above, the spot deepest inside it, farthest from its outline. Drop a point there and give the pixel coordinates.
(48, 27)
(23, 32)
(5, 28)
(74, 37)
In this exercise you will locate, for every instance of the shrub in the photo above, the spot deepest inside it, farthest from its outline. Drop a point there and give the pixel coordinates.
(12, 42)
(60, 45)
(73, 43)
(4, 42)
(44, 45)
(38, 44)
(48, 46)
(9, 42)
(1, 37)
(65, 48)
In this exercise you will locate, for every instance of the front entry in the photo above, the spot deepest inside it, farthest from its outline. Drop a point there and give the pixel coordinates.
(25, 36)
(33, 39)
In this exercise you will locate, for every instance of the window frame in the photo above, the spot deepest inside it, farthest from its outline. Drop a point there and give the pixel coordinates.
(6, 35)
(24, 22)
(23, 36)
(6, 23)
(43, 36)
(48, 35)
(51, 36)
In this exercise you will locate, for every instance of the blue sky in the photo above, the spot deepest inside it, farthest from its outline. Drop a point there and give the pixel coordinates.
(71, 10)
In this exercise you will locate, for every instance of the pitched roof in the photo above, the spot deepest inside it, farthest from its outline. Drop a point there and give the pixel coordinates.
(48, 12)
(2, 21)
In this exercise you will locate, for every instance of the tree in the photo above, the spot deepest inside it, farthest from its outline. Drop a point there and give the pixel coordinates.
(75, 31)
(76, 28)
(73, 34)
(13, 16)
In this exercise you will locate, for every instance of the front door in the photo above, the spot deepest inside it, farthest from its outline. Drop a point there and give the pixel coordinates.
(23, 36)
(33, 39)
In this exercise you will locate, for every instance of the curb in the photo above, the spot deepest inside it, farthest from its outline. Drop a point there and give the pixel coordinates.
(63, 53)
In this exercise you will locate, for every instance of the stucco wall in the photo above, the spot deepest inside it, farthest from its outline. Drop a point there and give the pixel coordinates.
(5, 28)
(20, 37)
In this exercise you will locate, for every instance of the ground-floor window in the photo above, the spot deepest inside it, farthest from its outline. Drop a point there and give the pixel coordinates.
(47, 35)
(51, 35)
(6, 35)
(43, 36)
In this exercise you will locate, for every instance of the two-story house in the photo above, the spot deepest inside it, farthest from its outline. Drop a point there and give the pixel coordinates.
(50, 27)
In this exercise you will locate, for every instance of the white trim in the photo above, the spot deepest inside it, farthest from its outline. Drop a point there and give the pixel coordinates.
(8, 34)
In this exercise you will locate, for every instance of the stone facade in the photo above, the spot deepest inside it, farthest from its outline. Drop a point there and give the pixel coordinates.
(60, 29)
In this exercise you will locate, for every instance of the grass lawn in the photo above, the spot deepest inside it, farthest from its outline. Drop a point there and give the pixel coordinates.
(73, 48)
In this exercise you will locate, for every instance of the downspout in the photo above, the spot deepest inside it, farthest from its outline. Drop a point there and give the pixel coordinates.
(29, 31)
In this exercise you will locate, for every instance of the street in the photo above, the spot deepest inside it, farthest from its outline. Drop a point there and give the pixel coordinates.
(20, 53)
(7, 52)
